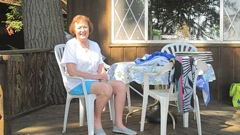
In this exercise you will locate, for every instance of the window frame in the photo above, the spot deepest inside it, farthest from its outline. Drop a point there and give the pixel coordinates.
(146, 40)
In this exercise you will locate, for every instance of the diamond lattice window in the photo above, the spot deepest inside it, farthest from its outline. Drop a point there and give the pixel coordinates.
(128, 20)
(231, 17)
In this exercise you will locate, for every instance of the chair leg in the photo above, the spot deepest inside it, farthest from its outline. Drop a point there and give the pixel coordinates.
(68, 101)
(164, 103)
(129, 99)
(112, 109)
(144, 110)
(185, 119)
(90, 114)
(198, 117)
(81, 111)
(194, 113)
(104, 109)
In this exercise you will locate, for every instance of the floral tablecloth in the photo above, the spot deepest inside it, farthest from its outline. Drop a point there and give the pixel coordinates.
(129, 72)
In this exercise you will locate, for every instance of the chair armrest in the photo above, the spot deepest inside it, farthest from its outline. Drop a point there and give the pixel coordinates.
(75, 77)
(150, 74)
(81, 80)
(166, 68)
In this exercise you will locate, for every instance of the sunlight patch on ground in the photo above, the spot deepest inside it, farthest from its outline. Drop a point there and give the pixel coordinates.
(232, 123)
(216, 113)
(232, 128)
(36, 129)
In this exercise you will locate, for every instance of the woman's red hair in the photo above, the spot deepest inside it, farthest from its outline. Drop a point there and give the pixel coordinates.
(77, 19)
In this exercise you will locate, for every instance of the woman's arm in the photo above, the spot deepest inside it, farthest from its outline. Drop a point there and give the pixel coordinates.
(72, 71)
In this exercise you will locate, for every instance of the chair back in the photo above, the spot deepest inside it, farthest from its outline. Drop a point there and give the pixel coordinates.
(178, 47)
(58, 51)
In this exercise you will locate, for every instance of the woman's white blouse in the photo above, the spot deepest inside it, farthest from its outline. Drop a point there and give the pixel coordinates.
(85, 60)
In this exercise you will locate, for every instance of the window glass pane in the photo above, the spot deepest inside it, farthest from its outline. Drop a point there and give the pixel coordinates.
(231, 17)
(184, 19)
(128, 20)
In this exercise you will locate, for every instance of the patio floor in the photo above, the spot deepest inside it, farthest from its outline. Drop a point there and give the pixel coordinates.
(217, 119)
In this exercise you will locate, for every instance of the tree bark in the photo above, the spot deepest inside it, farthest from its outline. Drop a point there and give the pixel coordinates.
(43, 27)
(43, 23)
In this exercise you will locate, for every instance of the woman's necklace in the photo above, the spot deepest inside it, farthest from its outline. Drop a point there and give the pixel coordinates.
(86, 48)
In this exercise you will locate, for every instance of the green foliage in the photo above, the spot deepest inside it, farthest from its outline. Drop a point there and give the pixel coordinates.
(201, 16)
(14, 18)
(156, 32)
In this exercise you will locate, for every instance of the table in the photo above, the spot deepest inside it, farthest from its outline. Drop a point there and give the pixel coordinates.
(128, 72)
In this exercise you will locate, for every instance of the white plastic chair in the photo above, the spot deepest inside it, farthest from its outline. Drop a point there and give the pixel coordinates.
(178, 47)
(161, 95)
(172, 49)
(167, 95)
(88, 98)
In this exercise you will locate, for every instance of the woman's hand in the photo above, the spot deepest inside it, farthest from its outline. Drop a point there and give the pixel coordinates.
(100, 77)
(103, 77)
(102, 73)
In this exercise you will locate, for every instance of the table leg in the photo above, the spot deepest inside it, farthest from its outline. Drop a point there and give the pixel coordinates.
(139, 109)
(154, 117)
(129, 99)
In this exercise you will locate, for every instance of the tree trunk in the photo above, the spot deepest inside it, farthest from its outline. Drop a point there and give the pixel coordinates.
(43, 27)
(43, 23)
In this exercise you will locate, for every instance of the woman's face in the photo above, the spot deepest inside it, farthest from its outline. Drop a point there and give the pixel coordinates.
(82, 30)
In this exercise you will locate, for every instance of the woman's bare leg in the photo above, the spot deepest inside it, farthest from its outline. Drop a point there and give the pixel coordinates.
(119, 92)
(103, 92)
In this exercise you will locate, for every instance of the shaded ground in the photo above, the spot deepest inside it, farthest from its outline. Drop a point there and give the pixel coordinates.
(217, 119)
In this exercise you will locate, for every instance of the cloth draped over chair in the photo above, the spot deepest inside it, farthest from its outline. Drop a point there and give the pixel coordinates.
(203, 85)
(156, 58)
(183, 78)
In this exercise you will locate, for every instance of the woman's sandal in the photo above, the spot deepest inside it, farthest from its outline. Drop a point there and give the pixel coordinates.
(124, 131)
(99, 132)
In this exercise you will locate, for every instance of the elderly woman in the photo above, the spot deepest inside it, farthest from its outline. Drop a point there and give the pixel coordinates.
(83, 58)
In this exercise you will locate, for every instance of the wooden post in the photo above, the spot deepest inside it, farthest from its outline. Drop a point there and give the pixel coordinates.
(1, 112)
(5, 125)
(3, 130)
(5, 122)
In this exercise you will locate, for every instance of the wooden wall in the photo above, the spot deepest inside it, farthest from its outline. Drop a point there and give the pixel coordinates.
(225, 56)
